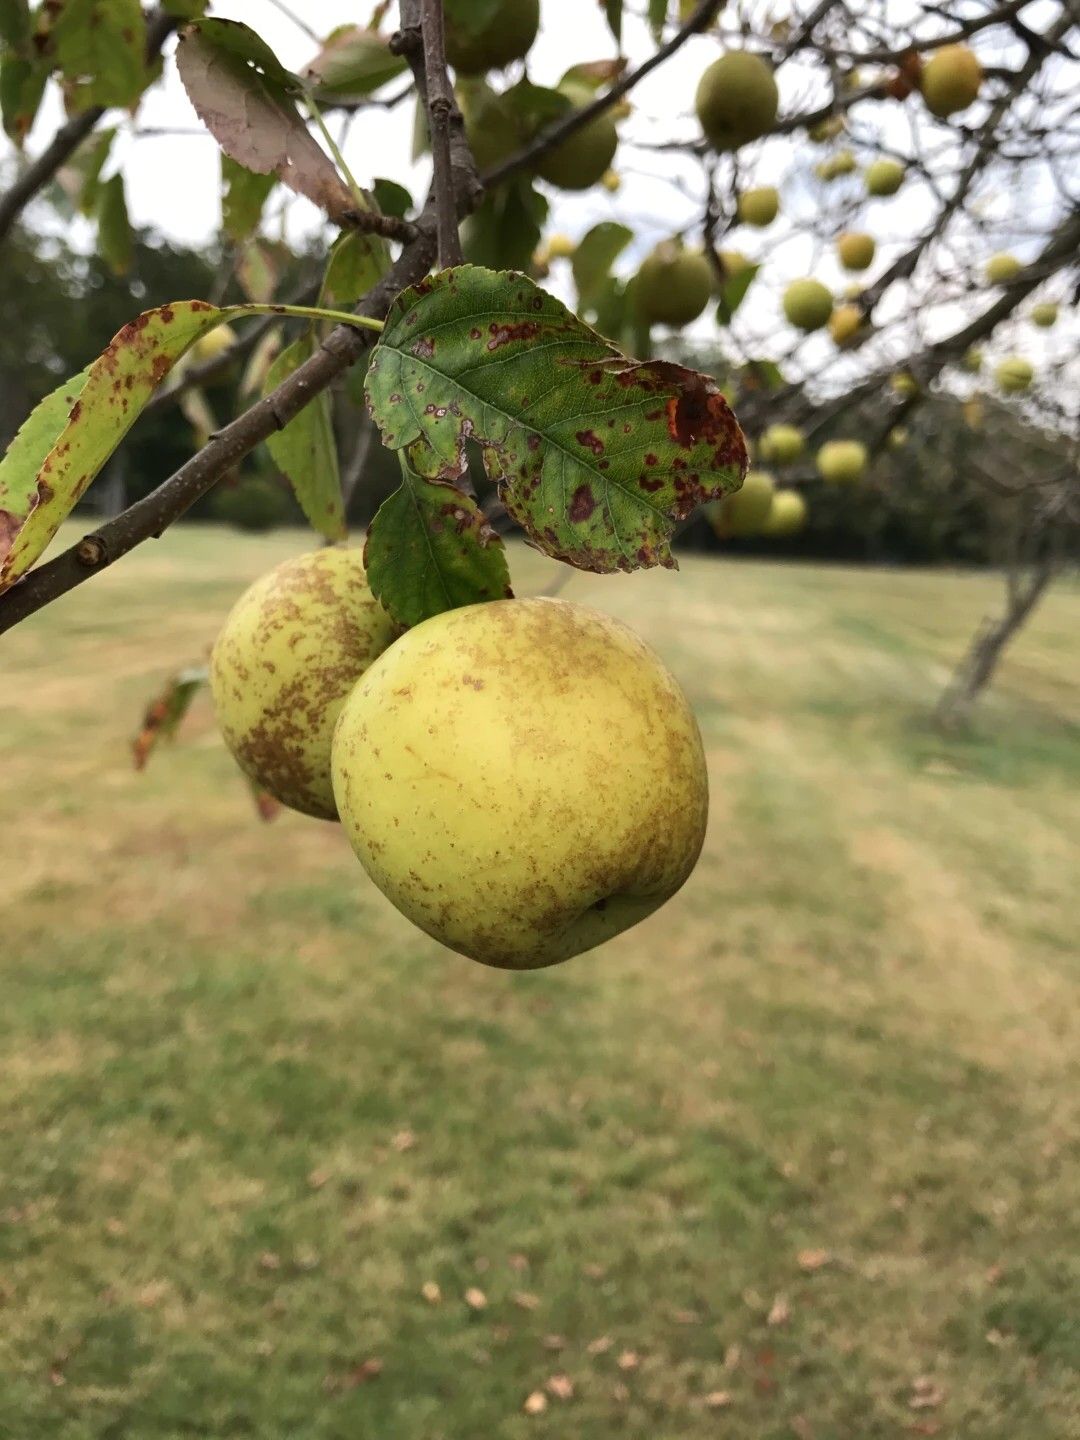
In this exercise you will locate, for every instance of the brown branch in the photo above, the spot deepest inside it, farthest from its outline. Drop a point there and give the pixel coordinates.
(553, 135)
(441, 106)
(69, 137)
(390, 227)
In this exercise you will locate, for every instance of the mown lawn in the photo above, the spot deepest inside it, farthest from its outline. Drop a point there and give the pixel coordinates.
(797, 1157)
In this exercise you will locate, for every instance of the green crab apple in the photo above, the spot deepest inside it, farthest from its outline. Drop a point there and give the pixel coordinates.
(505, 35)
(856, 251)
(293, 647)
(744, 511)
(1014, 374)
(842, 462)
(845, 322)
(759, 207)
(583, 158)
(950, 80)
(673, 285)
(737, 100)
(787, 515)
(808, 304)
(1001, 268)
(884, 177)
(1045, 314)
(523, 779)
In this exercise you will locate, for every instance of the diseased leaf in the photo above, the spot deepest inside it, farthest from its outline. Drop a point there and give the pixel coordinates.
(251, 118)
(115, 245)
(594, 257)
(243, 196)
(596, 456)
(353, 63)
(305, 451)
(357, 262)
(594, 74)
(429, 549)
(99, 46)
(22, 84)
(613, 11)
(49, 465)
(166, 711)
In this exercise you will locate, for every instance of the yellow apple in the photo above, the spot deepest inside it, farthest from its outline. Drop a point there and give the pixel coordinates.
(827, 129)
(884, 177)
(1002, 268)
(782, 444)
(1044, 314)
(972, 360)
(211, 346)
(737, 100)
(842, 163)
(787, 516)
(950, 80)
(808, 304)
(522, 779)
(760, 206)
(291, 650)
(611, 180)
(856, 251)
(845, 322)
(560, 247)
(904, 384)
(673, 285)
(1014, 374)
(841, 462)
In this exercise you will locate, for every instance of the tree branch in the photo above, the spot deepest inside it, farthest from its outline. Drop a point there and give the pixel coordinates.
(441, 106)
(69, 137)
(553, 135)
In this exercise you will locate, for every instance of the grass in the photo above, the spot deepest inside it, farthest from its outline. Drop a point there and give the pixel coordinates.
(796, 1157)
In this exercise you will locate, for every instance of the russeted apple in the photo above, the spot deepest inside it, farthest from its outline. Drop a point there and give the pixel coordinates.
(290, 651)
(523, 779)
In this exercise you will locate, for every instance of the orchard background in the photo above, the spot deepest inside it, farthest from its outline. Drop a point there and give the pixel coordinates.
(796, 1156)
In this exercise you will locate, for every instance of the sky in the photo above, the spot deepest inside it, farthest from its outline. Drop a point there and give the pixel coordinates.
(172, 177)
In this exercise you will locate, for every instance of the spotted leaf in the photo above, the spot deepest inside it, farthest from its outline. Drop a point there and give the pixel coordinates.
(595, 455)
(429, 549)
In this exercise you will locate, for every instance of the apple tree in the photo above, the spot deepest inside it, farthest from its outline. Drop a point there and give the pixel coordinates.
(838, 209)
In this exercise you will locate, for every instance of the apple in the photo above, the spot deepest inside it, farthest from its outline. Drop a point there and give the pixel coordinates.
(884, 177)
(502, 36)
(845, 322)
(856, 251)
(734, 262)
(560, 246)
(493, 127)
(781, 444)
(807, 304)
(292, 648)
(760, 206)
(737, 100)
(950, 80)
(523, 779)
(897, 438)
(611, 180)
(1002, 268)
(673, 285)
(841, 462)
(745, 510)
(827, 129)
(972, 360)
(210, 346)
(842, 163)
(1044, 314)
(583, 158)
(1014, 374)
(787, 515)
(904, 384)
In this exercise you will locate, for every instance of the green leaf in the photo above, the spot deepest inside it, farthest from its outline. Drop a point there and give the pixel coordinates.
(22, 84)
(733, 293)
(595, 455)
(353, 63)
(243, 196)
(391, 198)
(429, 549)
(114, 240)
(15, 23)
(231, 37)
(184, 9)
(357, 262)
(258, 270)
(305, 451)
(657, 15)
(504, 232)
(613, 11)
(595, 255)
(100, 48)
(46, 471)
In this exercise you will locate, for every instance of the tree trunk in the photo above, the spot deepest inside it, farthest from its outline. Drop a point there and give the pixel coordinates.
(977, 668)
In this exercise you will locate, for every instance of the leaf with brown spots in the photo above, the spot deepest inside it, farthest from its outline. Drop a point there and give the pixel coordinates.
(305, 451)
(241, 94)
(596, 456)
(73, 431)
(429, 549)
(165, 713)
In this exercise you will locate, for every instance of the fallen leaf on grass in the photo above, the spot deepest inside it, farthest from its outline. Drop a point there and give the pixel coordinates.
(554, 1342)
(780, 1313)
(811, 1260)
(475, 1299)
(403, 1140)
(431, 1292)
(536, 1403)
(926, 1393)
(600, 1346)
(318, 1178)
(518, 1262)
(801, 1428)
(718, 1399)
(359, 1375)
(628, 1360)
(592, 1271)
(561, 1386)
(525, 1301)
(269, 1261)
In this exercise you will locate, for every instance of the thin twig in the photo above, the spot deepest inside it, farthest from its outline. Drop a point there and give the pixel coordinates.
(441, 105)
